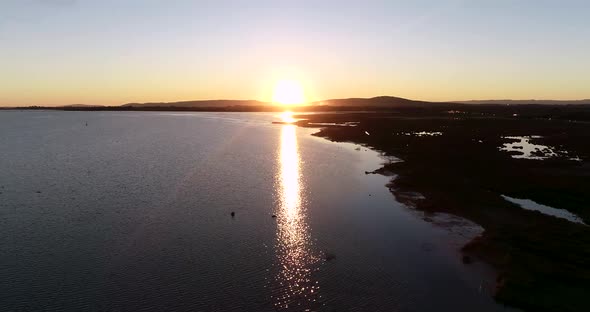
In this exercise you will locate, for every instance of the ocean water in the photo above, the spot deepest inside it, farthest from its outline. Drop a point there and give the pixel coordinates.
(130, 211)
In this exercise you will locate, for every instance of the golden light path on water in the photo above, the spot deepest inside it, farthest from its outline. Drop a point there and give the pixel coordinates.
(296, 262)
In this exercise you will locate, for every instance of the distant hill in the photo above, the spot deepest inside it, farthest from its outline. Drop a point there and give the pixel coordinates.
(539, 102)
(82, 105)
(380, 101)
(201, 103)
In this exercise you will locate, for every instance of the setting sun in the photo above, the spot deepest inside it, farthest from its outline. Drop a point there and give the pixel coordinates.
(288, 92)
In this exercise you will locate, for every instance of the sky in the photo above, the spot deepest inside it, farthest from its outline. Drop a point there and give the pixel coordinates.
(109, 52)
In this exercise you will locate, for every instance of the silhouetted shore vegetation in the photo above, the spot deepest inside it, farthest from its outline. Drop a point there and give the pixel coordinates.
(543, 262)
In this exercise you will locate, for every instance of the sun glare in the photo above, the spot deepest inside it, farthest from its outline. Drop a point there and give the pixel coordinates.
(287, 117)
(288, 92)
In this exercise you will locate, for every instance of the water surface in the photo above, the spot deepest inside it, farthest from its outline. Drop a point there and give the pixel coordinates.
(132, 213)
(547, 210)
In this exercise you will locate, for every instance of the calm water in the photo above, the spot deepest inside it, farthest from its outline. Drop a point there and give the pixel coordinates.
(132, 213)
(547, 210)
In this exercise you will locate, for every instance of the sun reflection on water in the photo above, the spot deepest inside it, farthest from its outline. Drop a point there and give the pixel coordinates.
(296, 262)
(287, 117)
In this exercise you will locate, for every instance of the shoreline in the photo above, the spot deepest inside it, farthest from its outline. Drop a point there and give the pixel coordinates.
(453, 231)
(532, 253)
(459, 230)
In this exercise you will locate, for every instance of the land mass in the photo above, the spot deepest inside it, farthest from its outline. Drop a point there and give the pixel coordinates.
(201, 103)
(515, 102)
(381, 103)
(452, 163)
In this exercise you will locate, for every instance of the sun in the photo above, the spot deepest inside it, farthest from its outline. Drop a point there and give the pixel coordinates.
(288, 92)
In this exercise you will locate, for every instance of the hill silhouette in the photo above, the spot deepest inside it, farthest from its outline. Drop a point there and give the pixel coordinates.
(82, 105)
(532, 101)
(200, 103)
(374, 103)
(379, 101)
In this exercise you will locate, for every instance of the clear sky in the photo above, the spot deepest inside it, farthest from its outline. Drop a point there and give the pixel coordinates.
(55, 52)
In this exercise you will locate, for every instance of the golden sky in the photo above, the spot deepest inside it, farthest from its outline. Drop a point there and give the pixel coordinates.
(59, 52)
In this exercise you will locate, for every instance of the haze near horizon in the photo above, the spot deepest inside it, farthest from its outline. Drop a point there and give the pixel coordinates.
(60, 52)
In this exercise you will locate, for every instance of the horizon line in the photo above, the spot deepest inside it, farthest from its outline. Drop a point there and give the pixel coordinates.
(270, 103)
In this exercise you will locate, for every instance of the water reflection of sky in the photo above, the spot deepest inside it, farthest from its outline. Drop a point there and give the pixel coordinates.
(295, 287)
(550, 211)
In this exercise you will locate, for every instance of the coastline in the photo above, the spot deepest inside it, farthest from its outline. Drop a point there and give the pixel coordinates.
(540, 260)
(442, 234)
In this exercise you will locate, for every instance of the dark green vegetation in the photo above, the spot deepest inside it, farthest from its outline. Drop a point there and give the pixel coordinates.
(543, 262)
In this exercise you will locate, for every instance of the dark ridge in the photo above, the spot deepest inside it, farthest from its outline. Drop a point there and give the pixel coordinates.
(525, 102)
(81, 105)
(380, 103)
(200, 103)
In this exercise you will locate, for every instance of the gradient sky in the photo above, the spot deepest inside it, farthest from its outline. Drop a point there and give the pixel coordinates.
(55, 52)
